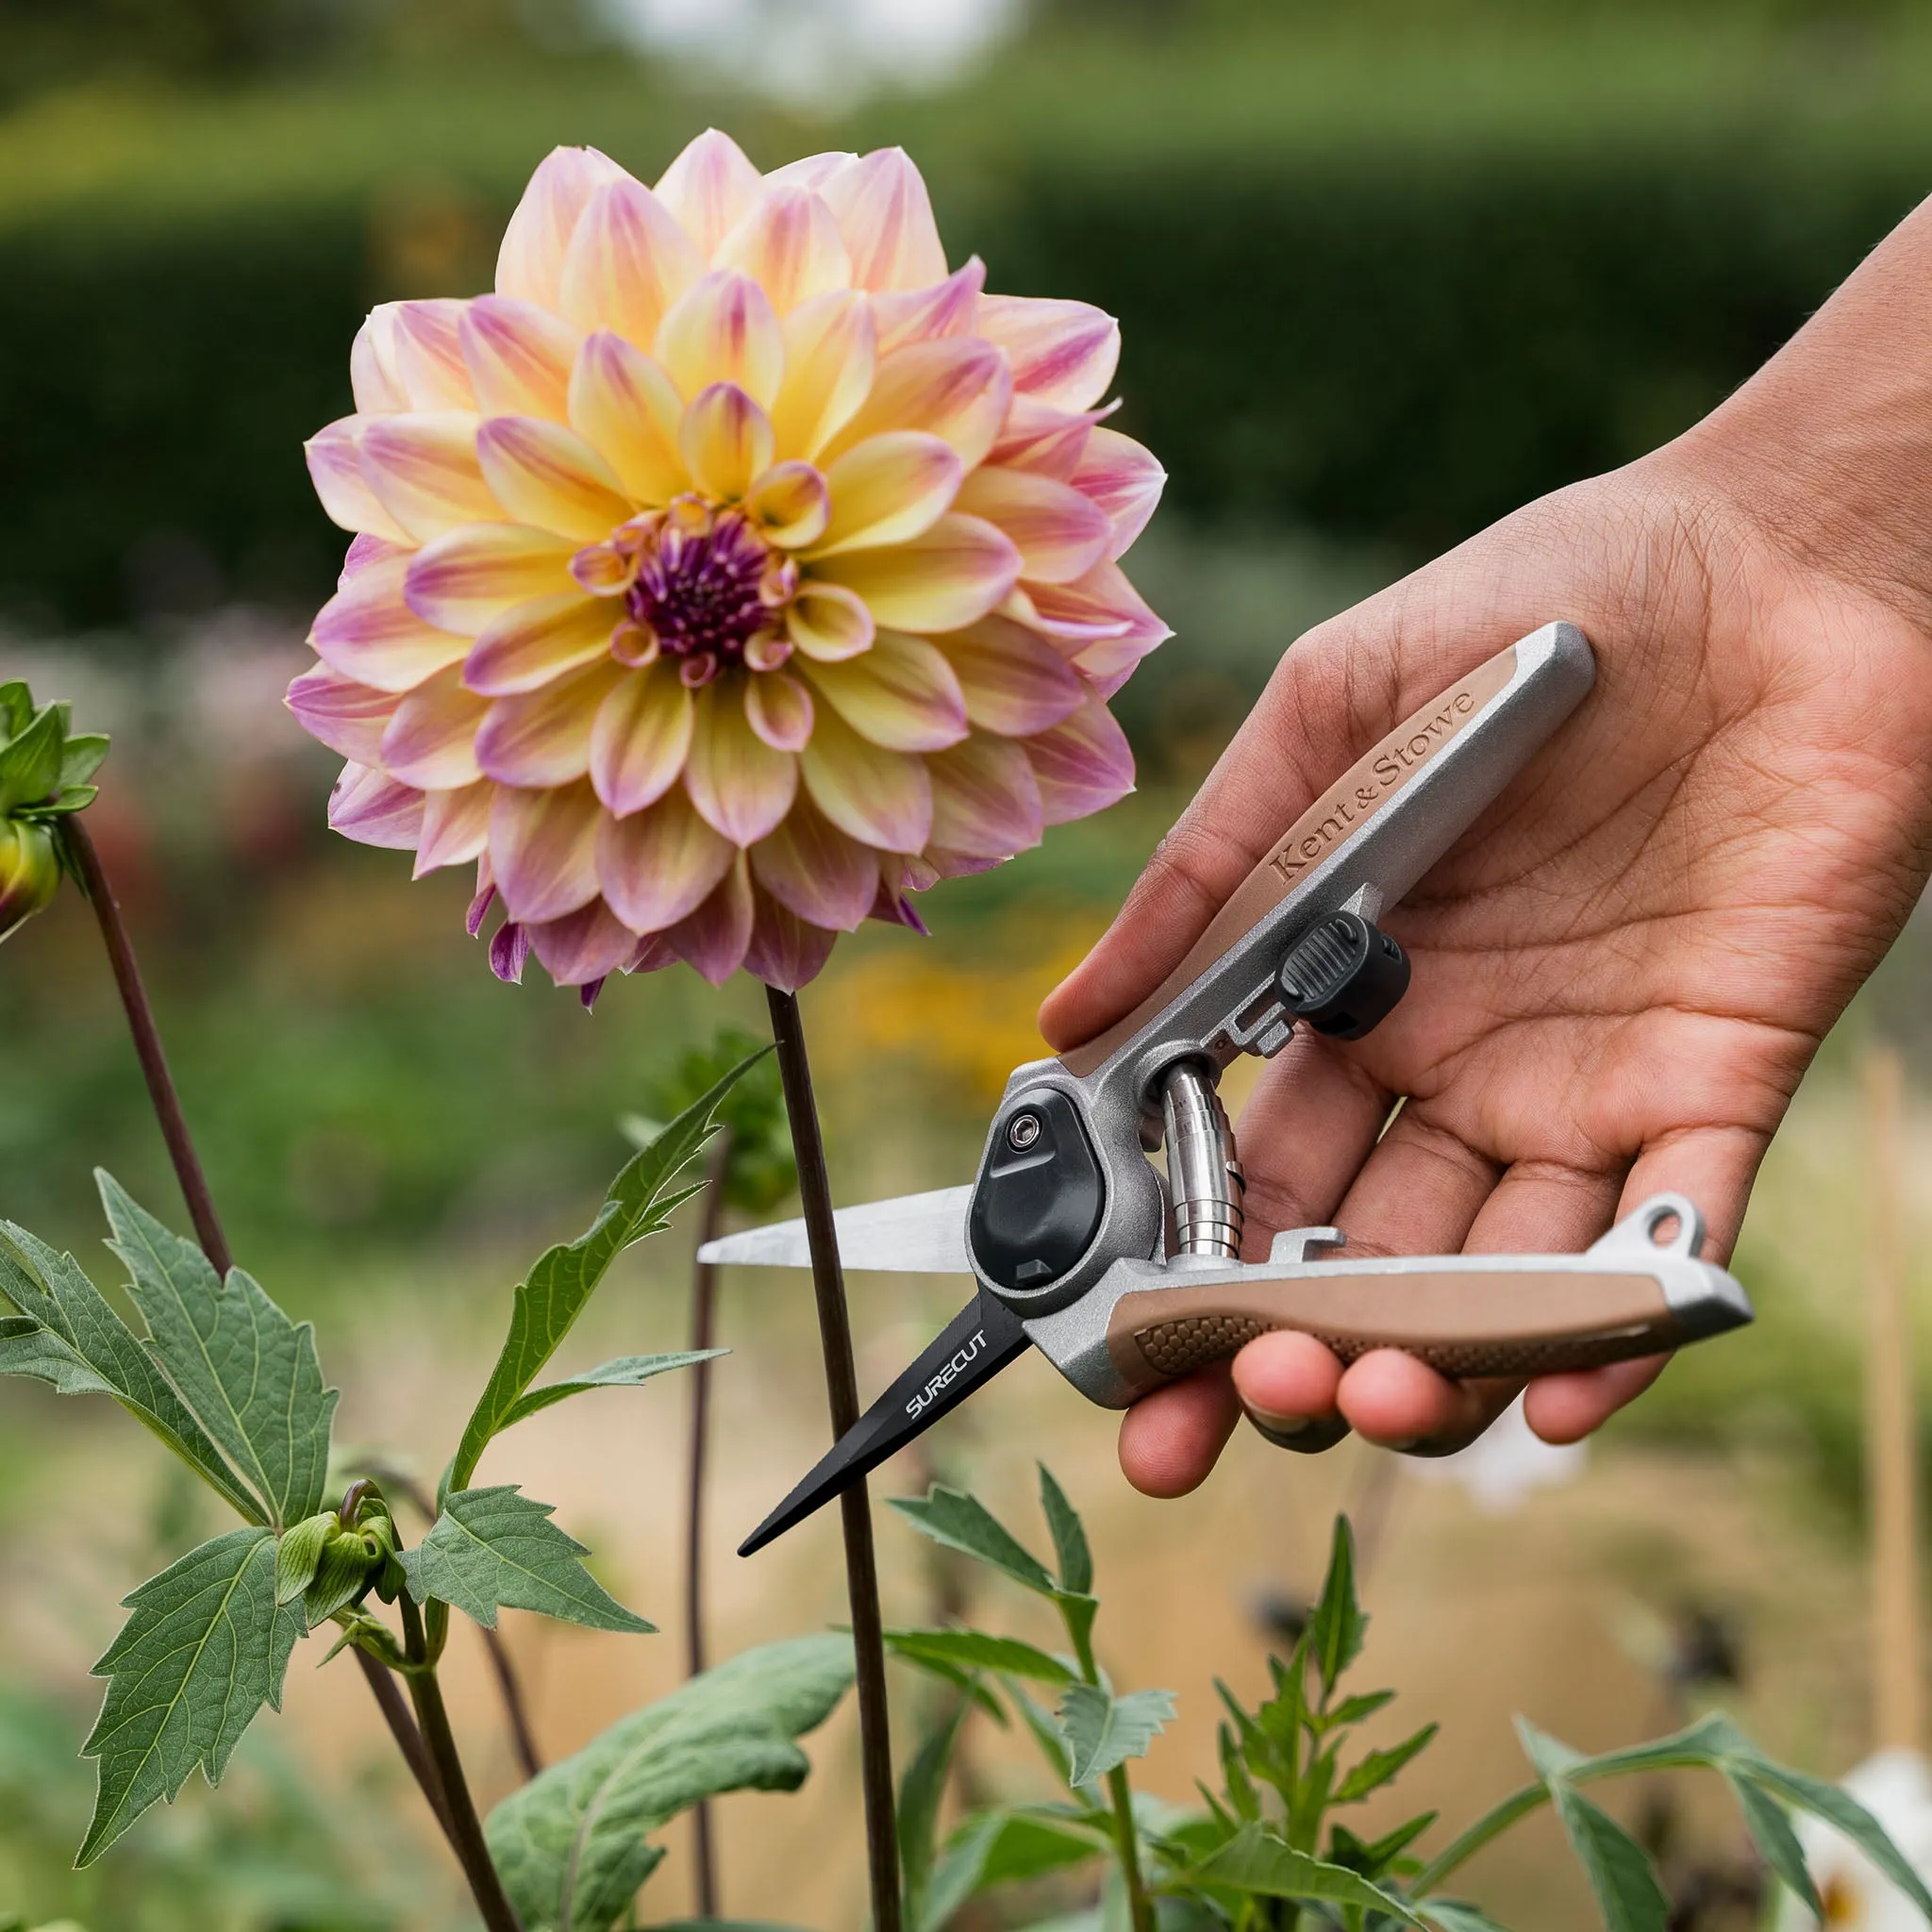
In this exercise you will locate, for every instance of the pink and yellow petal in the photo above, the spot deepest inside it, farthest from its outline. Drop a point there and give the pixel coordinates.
(830, 357)
(709, 189)
(627, 262)
(1124, 478)
(888, 488)
(879, 797)
(456, 827)
(779, 709)
(425, 352)
(723, 329)
(1102, 607)
(638, 741)
(378, 389)
(534, 643)
(423, 470)
(790, 503)
(584, 946)
(785, 951)
(431, 742)
(816, 871)
(373, 809)
(519, 357)
(628, 411)
(659, 865)
(1013, 682)
(549, 476)
(1064, 353)
(726, 441)
(902, 694)
(335, 467)
(948, 577)
(884, 214)
(1043, 438)
(810, 170)
(828, 623)
(946, 308)
(542, 738)
(468, 577)
(741, 784)
(986, 800)
(543, 850)
(714, 937)
(956, 389)
(789, 245)
(1059, 534)
(367, 632)
(337, 712)
(1082, 765)
(529, 264)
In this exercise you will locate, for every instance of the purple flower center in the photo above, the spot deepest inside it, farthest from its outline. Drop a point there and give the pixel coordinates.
(704, 592)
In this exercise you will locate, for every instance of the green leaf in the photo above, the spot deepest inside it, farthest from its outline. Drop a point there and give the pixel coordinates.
(920, 1793)
(1839, 1809)
(549, 1299)
(1071, 1552)
(1618, 1868)
(1777, 1842)
(1353, 1711)
(573, 1843)
(1337, 1627)
(1553, 1758)
(1457, 1915)
(249, 1374)
(81, 757)
(963, 1522)
(78, 1345)
(1711, 1742)
(16, 707)
(626, 1372)
(1001, 1847)
(298, 1555)
(1102, 1731)
(497, 1547)
(30, 763)
(972, 1650)
(206, 1647)
(1376, 1768)
(1255, 1860)
(1373, 1857)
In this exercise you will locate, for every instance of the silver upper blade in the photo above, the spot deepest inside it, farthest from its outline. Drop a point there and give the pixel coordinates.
(913, 1234)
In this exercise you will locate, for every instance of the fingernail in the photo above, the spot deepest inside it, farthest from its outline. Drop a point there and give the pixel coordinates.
(1279, 1424)
(1405, 1446)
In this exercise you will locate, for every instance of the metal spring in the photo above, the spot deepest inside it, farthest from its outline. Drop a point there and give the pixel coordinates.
(1204, 1175)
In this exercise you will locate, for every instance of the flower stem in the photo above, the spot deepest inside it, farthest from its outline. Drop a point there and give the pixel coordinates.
(704, 1310)
(1120, 1795)
(409, 1739)
(466, 1828)
(147, 1047)
(841, 1390)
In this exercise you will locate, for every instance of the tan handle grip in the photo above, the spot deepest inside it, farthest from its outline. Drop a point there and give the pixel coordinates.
(1515, 1321)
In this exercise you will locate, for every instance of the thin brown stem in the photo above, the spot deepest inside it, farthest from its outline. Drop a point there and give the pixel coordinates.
(147, 1047)
(466, 1828)
(395, 1713)
(704, 1310)
(841, 1390)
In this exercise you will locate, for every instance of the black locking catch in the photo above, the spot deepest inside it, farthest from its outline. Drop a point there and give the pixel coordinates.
(1038, 1204)
(1344, 977)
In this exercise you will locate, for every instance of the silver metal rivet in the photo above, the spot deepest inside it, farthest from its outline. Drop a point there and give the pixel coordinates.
(1023, 1131)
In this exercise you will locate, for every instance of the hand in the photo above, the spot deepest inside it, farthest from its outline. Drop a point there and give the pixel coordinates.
(1622, 973)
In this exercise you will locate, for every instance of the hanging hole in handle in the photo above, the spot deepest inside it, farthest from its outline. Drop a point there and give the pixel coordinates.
(1663, 1227)
(1672, 1224)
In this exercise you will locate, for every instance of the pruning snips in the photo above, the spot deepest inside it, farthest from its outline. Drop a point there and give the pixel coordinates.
(1127, 1278)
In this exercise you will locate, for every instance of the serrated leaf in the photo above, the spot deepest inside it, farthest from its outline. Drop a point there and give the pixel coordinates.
(972, 1650)
(1376, 1768)
(1255, 1860)
(1102, 1731)
(1458, 1915)
(573, 1843)
(1071, 1551)
(498, 1548)
(205, 1648)
(1839, 1809)
(1618, 1868)
(963, 1522)
(547, 1302)
(249, 1374)
(1551, 1757)
(1338, 1625)
(625, 1372)
(917, 1816)
(77, 1344)
(1777, 1842)
(1371, 1857)
(298, 1554)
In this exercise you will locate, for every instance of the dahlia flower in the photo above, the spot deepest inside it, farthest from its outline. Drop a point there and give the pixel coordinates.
(44, 769)
(729, 574)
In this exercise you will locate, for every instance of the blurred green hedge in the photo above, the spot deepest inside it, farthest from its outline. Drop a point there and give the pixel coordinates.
(1395, 349)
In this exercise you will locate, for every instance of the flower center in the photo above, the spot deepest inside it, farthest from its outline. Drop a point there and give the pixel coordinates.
(707, 590)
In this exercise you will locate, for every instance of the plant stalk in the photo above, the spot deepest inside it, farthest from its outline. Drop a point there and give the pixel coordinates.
(1120, 1795)
(466, 1828)
(704, 1311)
(147, 1047)
(841, 1390)
(193, 1178)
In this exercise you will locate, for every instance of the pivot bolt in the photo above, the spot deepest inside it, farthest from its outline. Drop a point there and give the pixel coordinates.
(1021, 1131)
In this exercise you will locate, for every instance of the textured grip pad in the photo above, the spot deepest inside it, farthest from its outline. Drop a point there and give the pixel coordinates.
(1515, 1321)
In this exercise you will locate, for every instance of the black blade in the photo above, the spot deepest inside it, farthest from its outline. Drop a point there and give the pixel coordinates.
(972, 1349)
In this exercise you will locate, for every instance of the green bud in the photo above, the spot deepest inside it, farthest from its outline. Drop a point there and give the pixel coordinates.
(29, 872)
(298, 1555)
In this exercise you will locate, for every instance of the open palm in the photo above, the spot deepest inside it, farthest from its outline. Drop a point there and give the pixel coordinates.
(1620, 974)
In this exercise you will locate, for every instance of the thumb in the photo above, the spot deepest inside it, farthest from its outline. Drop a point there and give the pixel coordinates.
(1342, 686)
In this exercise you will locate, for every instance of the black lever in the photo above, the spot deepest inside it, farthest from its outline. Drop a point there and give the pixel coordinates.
(1344, 977)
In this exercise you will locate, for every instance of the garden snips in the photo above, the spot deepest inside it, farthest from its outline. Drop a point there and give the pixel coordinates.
(1127, 1278)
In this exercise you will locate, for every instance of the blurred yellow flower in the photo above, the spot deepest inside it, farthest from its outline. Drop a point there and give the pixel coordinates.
(730, 573)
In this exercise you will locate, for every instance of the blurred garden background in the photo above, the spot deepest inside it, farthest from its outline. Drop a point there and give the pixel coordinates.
(1384, 271)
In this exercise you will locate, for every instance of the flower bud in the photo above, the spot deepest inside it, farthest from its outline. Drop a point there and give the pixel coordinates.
(29, 872)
